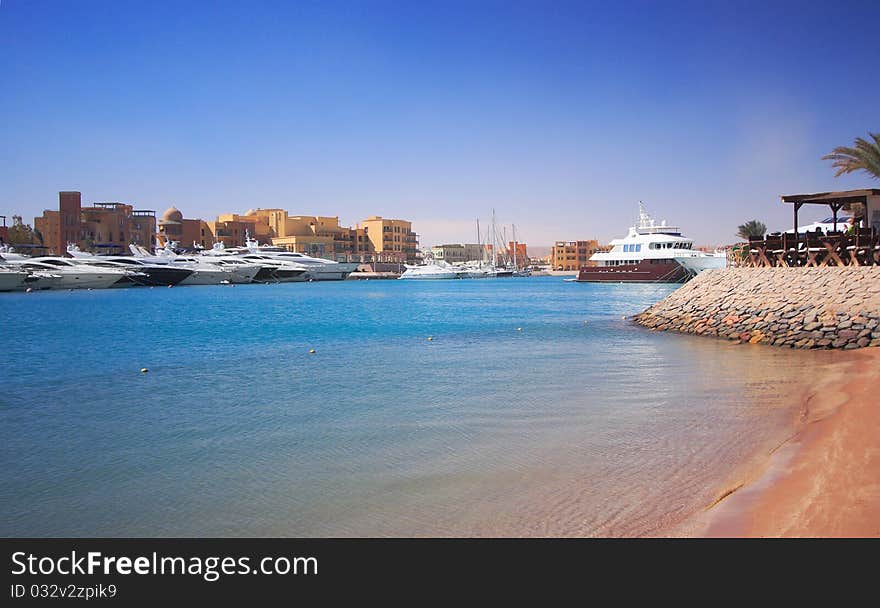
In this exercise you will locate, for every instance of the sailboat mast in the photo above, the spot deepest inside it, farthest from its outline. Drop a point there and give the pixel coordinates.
(480, 243)
(514, 245)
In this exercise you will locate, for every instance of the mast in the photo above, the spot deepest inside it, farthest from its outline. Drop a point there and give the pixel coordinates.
(514, 246)
(494, 241)
(480, 243)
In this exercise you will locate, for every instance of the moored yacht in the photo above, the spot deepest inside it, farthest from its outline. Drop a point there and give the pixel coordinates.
(283, 271)
(76, 276)
(147, 272)
(650, 253)
(205, 267)
(429, 271)
(317, 269)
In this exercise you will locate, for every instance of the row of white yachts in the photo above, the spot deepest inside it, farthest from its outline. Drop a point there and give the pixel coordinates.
(217, 266)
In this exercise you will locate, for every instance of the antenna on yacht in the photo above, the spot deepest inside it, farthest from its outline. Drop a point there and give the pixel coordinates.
(645, 220)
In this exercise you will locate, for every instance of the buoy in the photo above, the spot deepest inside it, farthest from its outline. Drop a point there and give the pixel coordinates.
(585, 322)
(312, 351)
(623, 317)
(144, 370)
(29, 289)
(519, 329)
(170, 286)
(430, 338)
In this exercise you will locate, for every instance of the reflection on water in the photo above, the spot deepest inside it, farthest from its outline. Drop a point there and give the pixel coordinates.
(563, 428)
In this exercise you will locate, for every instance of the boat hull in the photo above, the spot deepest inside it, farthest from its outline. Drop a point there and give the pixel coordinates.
(646, 271)
(286, 275)
(428, 277)
(161, 276)
(698, 264)
(323, 274)
(207, 276)
(87, 280)
(10, 281)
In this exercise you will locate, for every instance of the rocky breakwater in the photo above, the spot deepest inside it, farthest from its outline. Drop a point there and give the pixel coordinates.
(834, 307)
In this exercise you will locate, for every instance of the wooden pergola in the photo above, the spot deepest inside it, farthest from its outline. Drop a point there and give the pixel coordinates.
(858, 246)
(835, 200)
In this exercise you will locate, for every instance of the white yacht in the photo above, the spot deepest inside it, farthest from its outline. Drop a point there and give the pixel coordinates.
(204, 266)
(429, 271)
(205, 273)
(147, 271)
(650, 253)
(283, 271)
(77, 276)
(317, 269)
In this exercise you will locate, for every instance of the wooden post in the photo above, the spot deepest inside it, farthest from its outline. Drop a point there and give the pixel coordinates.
(797, 237)
(835, 207)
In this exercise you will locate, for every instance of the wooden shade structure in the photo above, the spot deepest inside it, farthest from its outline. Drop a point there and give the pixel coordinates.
(835, 200)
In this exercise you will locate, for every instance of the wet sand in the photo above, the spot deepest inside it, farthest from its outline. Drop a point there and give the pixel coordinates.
(824, 481)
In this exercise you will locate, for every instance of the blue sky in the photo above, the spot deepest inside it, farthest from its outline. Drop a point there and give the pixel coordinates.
(559, 115)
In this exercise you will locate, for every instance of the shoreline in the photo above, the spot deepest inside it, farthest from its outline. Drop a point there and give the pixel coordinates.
(824, 480)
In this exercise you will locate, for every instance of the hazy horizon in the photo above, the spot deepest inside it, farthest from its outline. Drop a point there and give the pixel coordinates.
(561, 117)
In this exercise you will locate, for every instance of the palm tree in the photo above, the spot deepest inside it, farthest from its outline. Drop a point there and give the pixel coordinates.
(865, 156)
(751, 228)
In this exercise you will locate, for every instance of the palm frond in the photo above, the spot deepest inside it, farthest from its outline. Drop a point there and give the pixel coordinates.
(865, 156)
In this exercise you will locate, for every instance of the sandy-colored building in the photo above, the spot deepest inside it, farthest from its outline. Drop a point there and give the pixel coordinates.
(323, 236)
(108, 227)
(392, 240)
(312, 235)
(455, 253)
(571, 255)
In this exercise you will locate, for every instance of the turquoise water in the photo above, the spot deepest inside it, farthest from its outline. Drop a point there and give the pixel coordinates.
(580, 423)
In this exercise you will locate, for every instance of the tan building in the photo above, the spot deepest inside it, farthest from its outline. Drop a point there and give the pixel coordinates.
(377, 239)
(106, 227)
(322, 236)
(457, 253)
(392, 240)
(312, 235)
(571, 255)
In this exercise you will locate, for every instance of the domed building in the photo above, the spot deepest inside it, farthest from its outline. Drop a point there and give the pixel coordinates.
(187, 233)
(172, 214)
(171, 224)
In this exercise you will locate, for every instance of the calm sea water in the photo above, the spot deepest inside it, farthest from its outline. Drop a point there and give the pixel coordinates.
(581, 423)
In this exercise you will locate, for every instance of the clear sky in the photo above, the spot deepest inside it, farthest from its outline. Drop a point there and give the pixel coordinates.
(559, 115)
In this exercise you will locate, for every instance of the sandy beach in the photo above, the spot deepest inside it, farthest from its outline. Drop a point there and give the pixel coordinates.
(824, 481)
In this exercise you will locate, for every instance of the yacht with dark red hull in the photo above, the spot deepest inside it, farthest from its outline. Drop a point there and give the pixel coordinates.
(650, 253)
